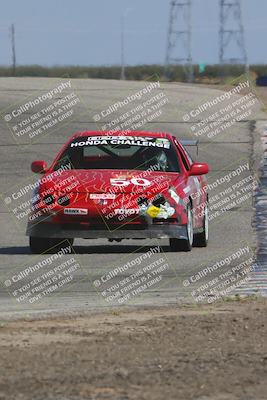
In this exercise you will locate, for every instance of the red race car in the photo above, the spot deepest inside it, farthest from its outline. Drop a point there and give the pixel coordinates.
(120, 185)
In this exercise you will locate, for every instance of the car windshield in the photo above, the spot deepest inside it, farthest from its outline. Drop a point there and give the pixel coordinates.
(121, 152)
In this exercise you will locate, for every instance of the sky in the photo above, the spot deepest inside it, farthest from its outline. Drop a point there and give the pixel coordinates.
(87, 32)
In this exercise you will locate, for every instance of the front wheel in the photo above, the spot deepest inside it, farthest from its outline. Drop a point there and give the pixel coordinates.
(40, 245)
(184, 244)
(201, 239)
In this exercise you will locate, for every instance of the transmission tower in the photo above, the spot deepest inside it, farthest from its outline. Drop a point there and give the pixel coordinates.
(13, 48)
(179, 38)
(232, 43)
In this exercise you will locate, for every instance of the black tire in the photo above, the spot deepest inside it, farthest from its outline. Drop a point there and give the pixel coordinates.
(201, 239)
(184, 244)
(40, 245)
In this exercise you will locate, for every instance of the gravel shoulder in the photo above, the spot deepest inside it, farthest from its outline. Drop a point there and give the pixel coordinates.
(203, 352)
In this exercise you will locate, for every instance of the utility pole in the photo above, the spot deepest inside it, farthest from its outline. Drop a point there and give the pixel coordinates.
(13, 47)
(231, 34)
(122, 50)
(179, 46)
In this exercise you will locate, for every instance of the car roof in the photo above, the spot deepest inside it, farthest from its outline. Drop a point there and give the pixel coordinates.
(122, 133)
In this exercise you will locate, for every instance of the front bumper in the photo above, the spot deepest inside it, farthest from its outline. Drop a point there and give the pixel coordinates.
(68, 231)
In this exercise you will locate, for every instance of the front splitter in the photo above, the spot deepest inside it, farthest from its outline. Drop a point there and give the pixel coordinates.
(161, 231)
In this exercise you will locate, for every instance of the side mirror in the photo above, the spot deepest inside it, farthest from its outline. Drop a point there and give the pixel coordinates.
(39, 167)
(199, 169)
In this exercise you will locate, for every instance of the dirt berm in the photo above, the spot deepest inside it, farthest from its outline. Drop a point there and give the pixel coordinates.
(204, 352)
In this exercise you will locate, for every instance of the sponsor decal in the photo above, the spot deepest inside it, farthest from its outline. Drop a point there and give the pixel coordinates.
(102, 196)
(75, 211)
(175, 196)
(164, 211)
(153, 211)
(126, 211)
(122, 140)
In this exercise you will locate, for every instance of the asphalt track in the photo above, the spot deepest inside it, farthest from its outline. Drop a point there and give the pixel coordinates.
(225, 152)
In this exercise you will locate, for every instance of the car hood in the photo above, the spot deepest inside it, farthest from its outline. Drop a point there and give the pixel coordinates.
(108, 181)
